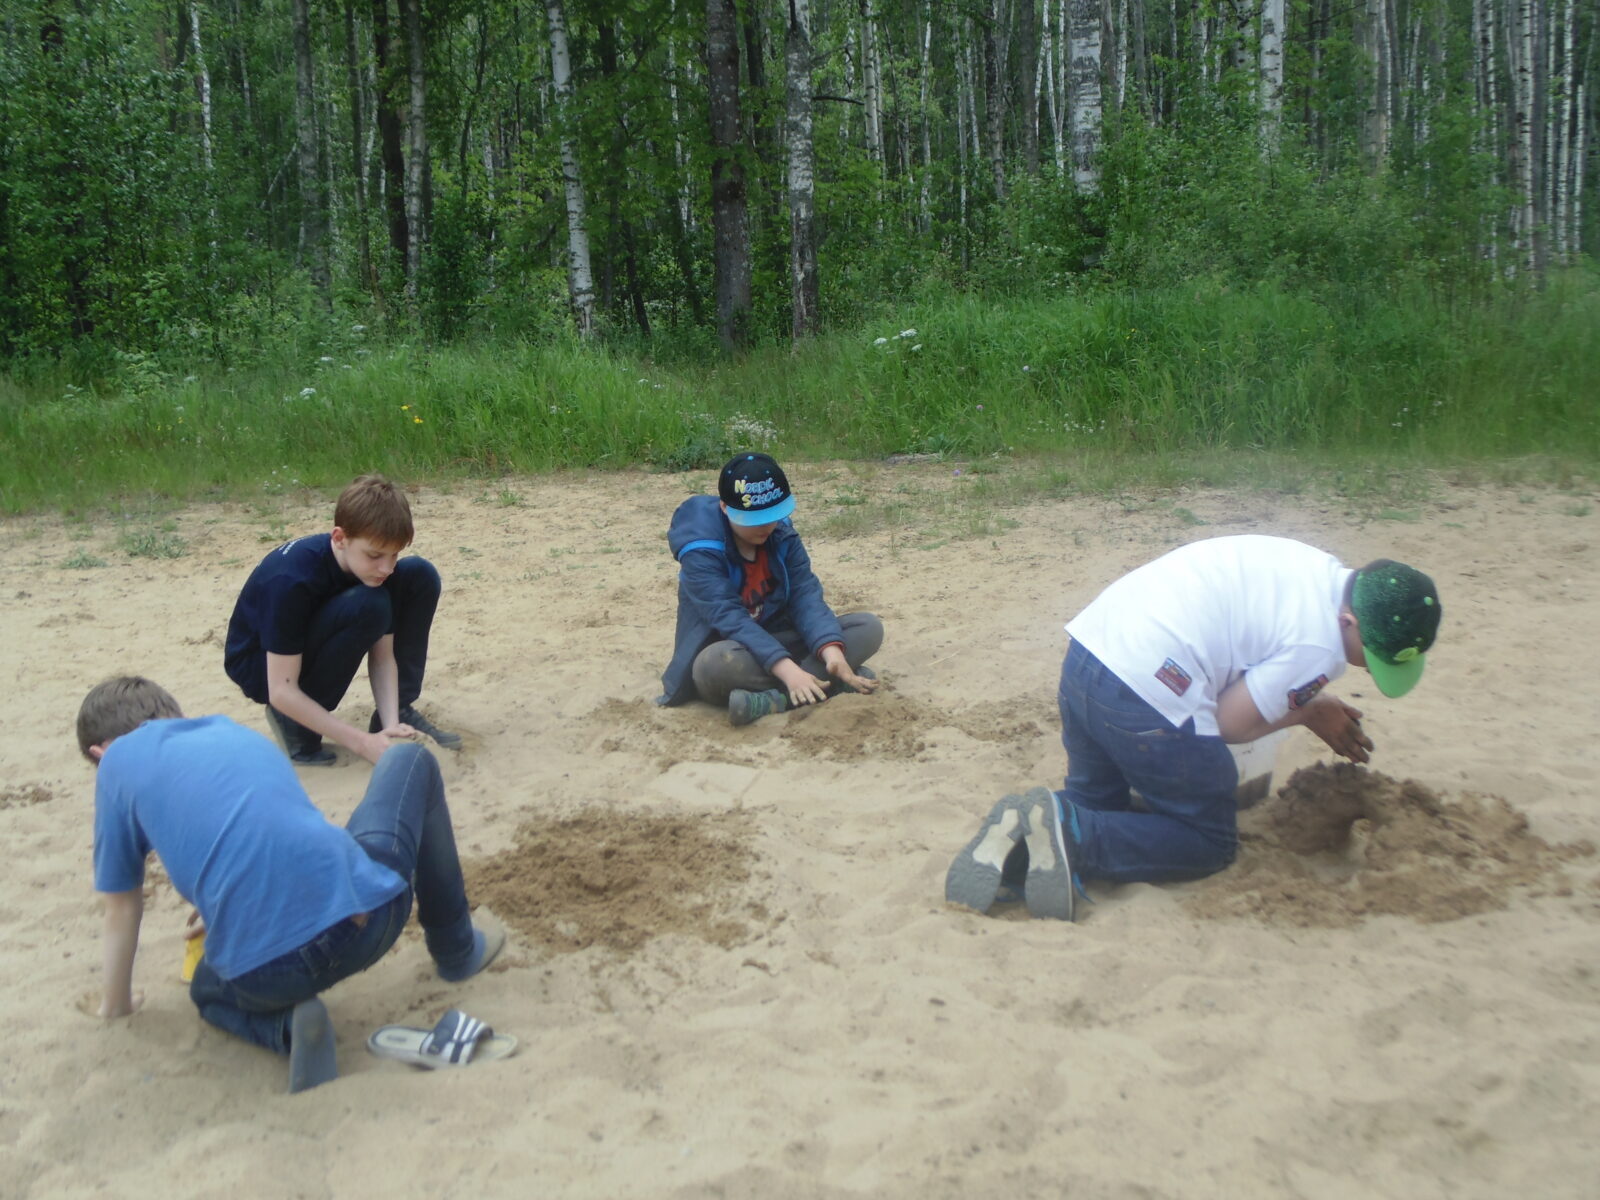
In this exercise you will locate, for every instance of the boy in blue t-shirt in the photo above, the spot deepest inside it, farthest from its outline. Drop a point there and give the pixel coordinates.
(316, 606)
(290, 903)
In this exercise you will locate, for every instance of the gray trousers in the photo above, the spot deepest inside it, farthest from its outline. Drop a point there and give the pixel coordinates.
(723, 666)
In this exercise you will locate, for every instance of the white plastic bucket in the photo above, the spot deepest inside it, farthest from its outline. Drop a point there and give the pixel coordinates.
(1255, 761)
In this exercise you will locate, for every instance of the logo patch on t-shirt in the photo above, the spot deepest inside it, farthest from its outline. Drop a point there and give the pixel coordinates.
(1301, 696)
(1174, 676)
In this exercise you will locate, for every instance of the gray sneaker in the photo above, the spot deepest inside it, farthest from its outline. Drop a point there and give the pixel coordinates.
(974, 878)
(304, 748)
(745, 707)
(410, 716)
(1050, 890)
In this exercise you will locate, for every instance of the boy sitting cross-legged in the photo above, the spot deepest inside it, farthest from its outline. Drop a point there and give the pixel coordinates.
(316, 606)
(754, 632)
(291, 903)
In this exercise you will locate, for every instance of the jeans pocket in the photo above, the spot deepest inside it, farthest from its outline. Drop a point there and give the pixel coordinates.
(323, 954)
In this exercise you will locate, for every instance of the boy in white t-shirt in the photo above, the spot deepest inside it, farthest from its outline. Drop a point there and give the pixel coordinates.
(1221, 641)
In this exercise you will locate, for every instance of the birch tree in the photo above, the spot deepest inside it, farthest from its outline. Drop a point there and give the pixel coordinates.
(804, 298)
(580, 272)
(1084, 89)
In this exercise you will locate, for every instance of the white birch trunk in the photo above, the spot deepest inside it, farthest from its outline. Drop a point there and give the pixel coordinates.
(1271, 77)
(872, 81)
(1522, 134)
(1085, 92)
(580, 272)
(924, 193)
(203, 82)
(803, 285)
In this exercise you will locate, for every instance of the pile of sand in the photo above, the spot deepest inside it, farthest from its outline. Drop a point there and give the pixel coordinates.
(1341, 843)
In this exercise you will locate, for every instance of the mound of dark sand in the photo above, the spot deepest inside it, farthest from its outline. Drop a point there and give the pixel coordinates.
(617, 879)
(1341, 843)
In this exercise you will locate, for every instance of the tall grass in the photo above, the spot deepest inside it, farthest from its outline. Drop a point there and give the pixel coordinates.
(1200, 369)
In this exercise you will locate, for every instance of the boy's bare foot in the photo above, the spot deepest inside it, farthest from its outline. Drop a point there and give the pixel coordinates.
(488, 939)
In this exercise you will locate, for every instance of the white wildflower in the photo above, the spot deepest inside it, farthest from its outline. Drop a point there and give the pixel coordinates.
(881, 342)
(326, 358)
(305, 392)
(908, 333)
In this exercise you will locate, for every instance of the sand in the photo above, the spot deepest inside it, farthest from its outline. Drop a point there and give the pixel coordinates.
(731, 968)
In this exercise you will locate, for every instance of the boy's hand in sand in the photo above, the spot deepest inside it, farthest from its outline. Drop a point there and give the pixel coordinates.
(372, 745)
(802, 686)
(838, 666)
(1339, 725)
(195, 926)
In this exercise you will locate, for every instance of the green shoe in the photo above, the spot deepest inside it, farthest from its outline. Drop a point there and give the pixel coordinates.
(744, 707)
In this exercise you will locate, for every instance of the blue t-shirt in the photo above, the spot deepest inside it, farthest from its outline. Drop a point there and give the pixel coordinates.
(274, 610)
(240, 838)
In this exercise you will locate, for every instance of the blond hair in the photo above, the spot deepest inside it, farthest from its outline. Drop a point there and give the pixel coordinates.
(118, 706)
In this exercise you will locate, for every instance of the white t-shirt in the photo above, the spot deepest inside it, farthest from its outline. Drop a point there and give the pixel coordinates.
(1179, 630)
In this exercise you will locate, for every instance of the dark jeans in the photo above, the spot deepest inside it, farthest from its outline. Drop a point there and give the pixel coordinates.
(403, 823)
(1116, 742)
(723, 666)
(345, 628)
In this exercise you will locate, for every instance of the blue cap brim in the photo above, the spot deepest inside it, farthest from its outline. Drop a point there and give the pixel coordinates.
(762, 516)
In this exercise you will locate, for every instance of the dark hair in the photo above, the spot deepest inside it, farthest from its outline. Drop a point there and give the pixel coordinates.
(118, 706)
(374, 508)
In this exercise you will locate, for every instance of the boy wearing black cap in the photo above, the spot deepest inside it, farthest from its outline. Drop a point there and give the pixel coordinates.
(754, 631)
(1221, 641)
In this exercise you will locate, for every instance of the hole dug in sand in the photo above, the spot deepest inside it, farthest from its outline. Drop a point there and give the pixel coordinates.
(618, 879)
(1341, 843)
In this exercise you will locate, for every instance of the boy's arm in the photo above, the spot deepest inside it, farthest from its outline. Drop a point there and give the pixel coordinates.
(1327, 716)
(124, 911)
(816, 621)
(284, 694)
(384, 675)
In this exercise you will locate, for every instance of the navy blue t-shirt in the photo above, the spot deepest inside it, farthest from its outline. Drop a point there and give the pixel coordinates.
(275, 608)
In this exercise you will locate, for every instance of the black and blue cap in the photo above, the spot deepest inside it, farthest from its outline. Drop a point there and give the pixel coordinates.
(755, 490)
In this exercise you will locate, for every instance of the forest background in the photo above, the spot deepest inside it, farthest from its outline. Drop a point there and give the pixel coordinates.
(247, 245)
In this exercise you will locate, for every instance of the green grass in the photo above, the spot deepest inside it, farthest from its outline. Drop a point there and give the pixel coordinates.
(1201, 383)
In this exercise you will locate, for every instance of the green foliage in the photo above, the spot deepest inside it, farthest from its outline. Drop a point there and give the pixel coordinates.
(1207, 368)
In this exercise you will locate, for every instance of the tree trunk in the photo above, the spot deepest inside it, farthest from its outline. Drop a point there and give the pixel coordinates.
(417, 172)
(580, 273)
(1084, 82)
(804, 293)
(995, 45)
(872, 82)
(730, 218)
(1028, 70)
(388, 123)
(1271, 98)
(313, 200)
(358, 167)
(202, 82)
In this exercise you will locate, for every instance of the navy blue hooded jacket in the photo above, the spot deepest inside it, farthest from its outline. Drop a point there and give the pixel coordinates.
(710, 609)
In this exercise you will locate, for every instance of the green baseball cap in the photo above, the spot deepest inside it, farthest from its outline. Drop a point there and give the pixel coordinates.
(1398, 608)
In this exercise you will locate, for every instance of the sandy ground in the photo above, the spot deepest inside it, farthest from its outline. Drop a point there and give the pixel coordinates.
(731, 968)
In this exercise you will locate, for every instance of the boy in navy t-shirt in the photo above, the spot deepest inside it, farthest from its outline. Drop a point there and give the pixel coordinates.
(316, 606)
(291, 903)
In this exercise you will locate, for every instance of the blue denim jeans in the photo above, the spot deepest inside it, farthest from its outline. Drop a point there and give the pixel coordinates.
(1186, 826)
(403, 823)
(344, 629)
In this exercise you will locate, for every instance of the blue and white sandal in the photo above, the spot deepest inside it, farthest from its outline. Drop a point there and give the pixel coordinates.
(454, 1042)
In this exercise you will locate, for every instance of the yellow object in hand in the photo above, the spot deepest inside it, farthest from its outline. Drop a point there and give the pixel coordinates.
(193, 950)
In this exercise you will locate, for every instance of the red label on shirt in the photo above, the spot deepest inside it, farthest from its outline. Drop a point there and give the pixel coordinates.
(1174, 676)
(1306, 692)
